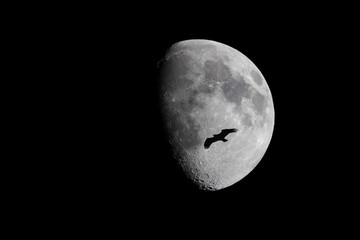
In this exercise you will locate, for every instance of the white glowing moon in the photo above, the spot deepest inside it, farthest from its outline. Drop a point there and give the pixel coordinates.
(207, 86)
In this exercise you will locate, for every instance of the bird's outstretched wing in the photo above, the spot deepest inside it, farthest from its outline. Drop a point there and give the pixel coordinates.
(225, 132)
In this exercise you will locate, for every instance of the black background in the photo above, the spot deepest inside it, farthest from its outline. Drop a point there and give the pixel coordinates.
(109, 159)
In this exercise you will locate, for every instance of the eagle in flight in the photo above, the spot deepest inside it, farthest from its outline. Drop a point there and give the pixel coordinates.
(219, 137)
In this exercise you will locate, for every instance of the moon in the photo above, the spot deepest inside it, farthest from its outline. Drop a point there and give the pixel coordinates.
(206, 88)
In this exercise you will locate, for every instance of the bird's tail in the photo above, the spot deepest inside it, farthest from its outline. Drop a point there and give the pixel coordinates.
(224, 140)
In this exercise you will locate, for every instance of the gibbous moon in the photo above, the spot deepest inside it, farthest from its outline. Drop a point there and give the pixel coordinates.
(217, 110)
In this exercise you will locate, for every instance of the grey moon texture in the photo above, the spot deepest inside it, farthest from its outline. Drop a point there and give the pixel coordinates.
(206, 87)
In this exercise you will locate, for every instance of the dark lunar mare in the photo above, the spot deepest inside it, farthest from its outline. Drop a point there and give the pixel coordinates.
(259, 101)
(257, 78)
(216, 71)
(235, 90)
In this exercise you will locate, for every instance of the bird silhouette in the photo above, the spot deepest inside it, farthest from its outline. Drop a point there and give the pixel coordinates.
(218, 137)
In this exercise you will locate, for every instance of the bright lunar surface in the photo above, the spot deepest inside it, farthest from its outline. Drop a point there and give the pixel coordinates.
(217, 110)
